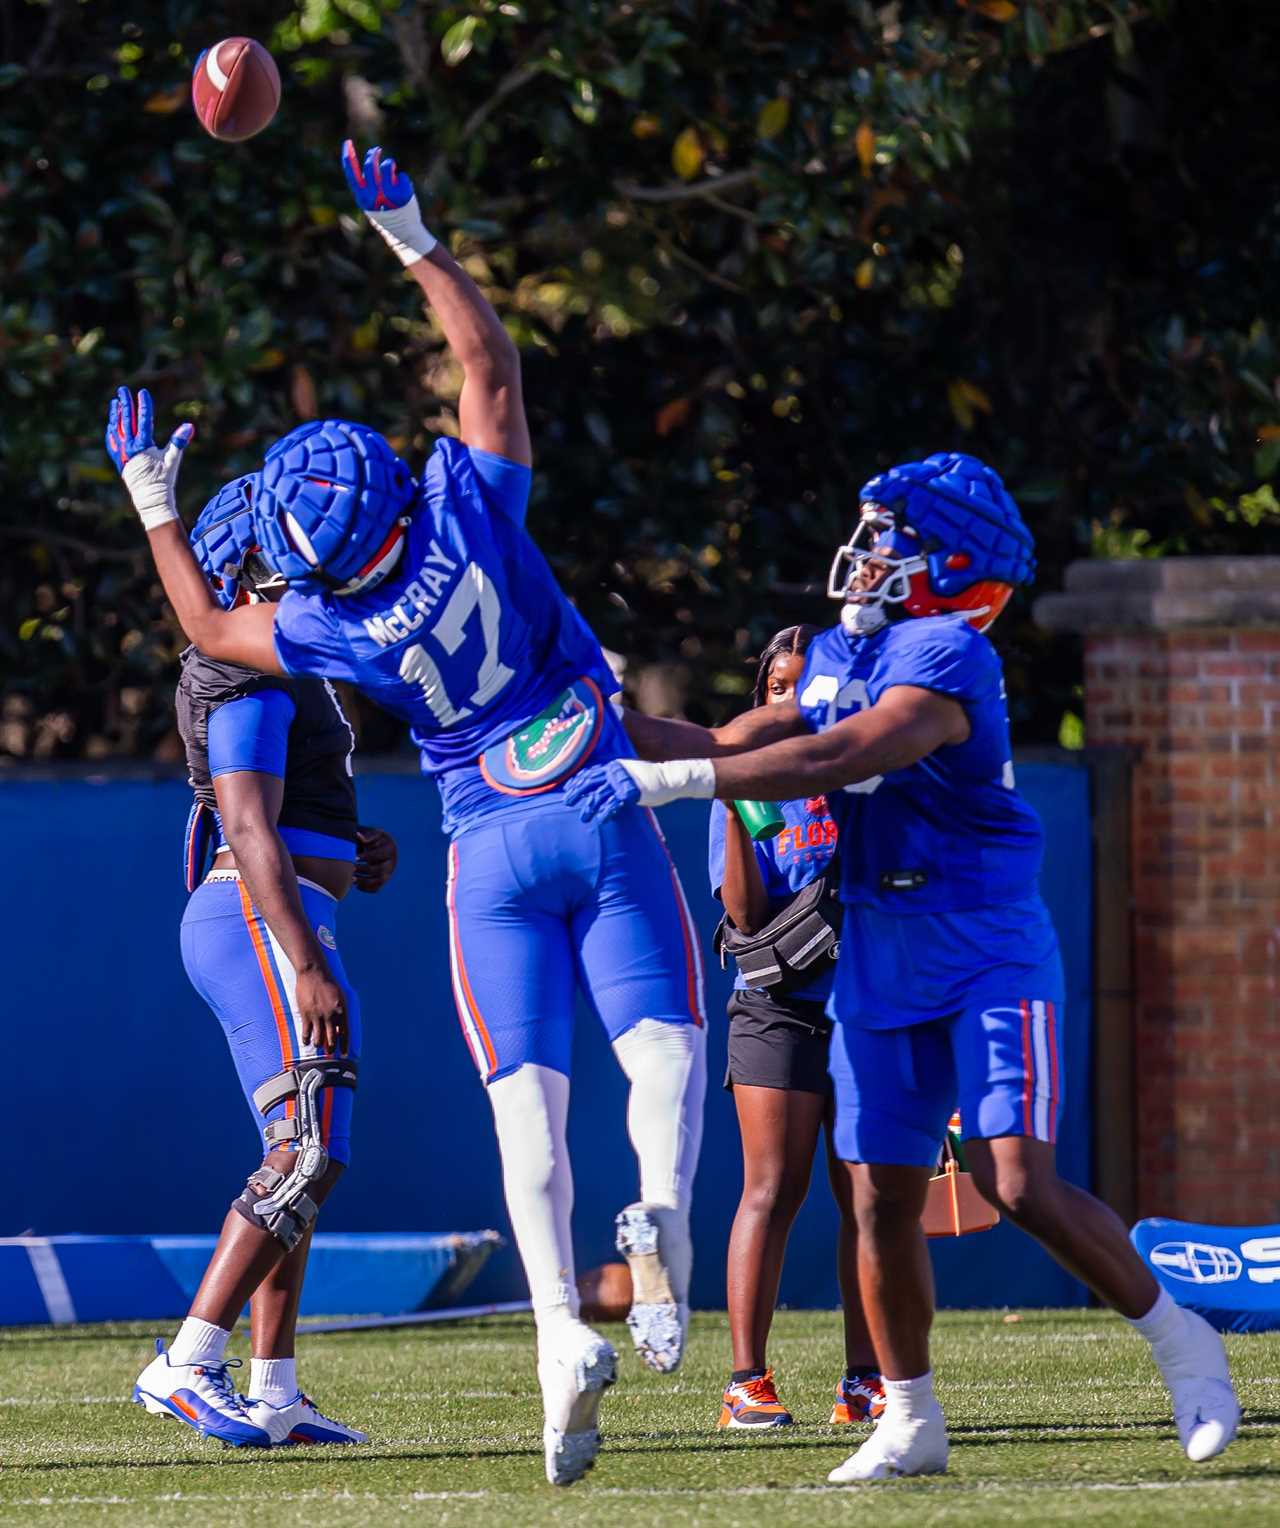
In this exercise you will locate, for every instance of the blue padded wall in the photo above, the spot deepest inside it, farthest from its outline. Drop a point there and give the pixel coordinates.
(120, 1081)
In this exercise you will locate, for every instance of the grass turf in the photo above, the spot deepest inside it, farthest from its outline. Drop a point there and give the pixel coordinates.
(1056, 1417)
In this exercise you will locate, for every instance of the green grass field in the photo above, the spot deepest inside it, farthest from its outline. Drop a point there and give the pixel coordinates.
(1056, 1417)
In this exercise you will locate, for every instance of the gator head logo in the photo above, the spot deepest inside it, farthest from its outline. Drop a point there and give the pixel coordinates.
(550, 747)
(1197, 1262)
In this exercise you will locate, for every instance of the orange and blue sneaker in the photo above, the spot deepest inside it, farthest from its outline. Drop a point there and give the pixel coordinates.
(753, 1403)
(859, 1397)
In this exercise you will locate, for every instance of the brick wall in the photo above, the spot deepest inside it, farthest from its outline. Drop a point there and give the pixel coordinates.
(1202, 708)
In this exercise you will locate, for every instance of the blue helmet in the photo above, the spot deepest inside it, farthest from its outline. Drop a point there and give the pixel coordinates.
(944, 537)
(332, 505)
(225, 543)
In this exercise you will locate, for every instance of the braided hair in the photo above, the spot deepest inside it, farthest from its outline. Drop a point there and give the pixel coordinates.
(791, 639)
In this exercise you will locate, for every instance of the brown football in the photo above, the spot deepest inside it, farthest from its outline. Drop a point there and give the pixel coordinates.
(235, 89)
(606, 1292)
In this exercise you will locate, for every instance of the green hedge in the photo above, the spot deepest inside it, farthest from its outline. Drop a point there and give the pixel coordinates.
(753, 251)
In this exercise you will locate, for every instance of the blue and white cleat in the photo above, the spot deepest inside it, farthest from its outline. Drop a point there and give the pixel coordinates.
(300, 1421)
(202, 1396)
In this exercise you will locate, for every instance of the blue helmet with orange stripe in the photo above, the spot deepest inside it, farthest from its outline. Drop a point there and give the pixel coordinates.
(225, 542)
(333, 504)
(937, 537)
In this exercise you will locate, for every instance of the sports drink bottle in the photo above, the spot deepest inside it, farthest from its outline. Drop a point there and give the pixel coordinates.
(762, 819)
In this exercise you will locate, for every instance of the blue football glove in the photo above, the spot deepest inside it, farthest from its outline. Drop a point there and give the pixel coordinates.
(603, 790)
(387, 199)
(149, 474)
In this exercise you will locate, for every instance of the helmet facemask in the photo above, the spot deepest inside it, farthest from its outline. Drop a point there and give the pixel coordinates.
(873, 573)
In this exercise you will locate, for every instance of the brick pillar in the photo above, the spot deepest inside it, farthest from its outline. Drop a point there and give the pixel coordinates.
(1182, 665)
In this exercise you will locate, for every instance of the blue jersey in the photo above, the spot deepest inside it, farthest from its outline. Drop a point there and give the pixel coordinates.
(788, 863)
(470, 641)
(948, 833)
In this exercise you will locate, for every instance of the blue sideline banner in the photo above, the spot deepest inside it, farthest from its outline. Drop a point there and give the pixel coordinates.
(121, 1089)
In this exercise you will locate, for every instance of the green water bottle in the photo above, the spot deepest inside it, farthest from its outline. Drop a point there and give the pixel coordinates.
(762, 819)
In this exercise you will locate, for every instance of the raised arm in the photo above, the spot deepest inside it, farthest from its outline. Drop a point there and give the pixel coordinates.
(151, 477)
(742, 890)
(491, 407)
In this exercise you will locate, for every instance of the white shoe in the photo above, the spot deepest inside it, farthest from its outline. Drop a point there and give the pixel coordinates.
(898, 1448)
(658, 1323)
(575, 1367)
(1205, 1409)
(299, 1421)
(202, 1396)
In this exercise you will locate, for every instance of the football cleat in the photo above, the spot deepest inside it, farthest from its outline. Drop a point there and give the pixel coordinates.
(898, 1448)
(858, 1399)
(1205, 1409)
(202, 1396)
(575, 1367)
(753, 1404)
(299, 1421)
(656, 1320)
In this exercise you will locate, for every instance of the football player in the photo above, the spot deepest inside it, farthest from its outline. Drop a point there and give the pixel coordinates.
(270, 767)
(429, 595)
(949, 984)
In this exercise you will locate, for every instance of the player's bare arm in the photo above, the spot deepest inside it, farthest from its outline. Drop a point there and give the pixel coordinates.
(662, 737)
(905, 724)
(491, 413)
(249, 805)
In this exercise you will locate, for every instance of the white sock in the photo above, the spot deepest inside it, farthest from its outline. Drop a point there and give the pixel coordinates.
(530, 1111)
(666, 1065)
(198, 1342)
(1162, 1323)
(909, 1400)
(273, 1379)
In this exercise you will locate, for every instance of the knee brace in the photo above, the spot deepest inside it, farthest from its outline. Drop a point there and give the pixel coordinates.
(280, 1202)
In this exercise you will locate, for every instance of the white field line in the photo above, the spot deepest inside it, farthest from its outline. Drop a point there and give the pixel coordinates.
(681, 1493)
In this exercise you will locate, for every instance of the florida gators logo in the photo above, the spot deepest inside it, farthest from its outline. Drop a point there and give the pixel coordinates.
(546, 751)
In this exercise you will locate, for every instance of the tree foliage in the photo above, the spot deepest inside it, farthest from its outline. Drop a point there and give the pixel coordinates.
(753, 251)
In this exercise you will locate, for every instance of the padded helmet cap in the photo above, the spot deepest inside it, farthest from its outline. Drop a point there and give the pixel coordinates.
(224, 536)
(332, 496)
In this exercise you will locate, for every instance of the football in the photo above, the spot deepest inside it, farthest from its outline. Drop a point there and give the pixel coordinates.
(606, 1292)
(235, 88)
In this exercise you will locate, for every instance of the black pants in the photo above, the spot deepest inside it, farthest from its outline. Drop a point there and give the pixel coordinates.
(777, 1042)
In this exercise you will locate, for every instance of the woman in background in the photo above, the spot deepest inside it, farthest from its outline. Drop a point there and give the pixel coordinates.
(778, 1042)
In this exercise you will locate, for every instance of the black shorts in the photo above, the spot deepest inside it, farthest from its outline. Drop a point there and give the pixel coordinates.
(777, 1042)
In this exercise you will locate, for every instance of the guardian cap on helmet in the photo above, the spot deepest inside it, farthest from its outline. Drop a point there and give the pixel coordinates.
(938, 537)
(225, 543)
(332, 505)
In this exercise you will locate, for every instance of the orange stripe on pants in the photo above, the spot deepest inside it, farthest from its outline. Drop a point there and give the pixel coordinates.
(1028, 1071)
(456, 938)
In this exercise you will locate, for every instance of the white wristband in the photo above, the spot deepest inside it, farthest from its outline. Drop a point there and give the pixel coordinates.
(150, 486)
(402, 227)
(673, 781)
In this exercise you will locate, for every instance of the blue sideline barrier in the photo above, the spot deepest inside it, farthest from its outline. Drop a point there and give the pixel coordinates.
(61, 1279)
(125, 1115)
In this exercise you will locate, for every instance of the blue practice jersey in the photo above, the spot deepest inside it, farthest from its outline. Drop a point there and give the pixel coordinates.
(949, 833)
(469, 641)
(788, 863)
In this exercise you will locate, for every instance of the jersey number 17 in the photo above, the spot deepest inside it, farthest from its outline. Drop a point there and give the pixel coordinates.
(473, 594)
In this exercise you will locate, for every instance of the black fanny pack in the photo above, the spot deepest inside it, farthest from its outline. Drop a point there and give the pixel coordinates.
(796, 946)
